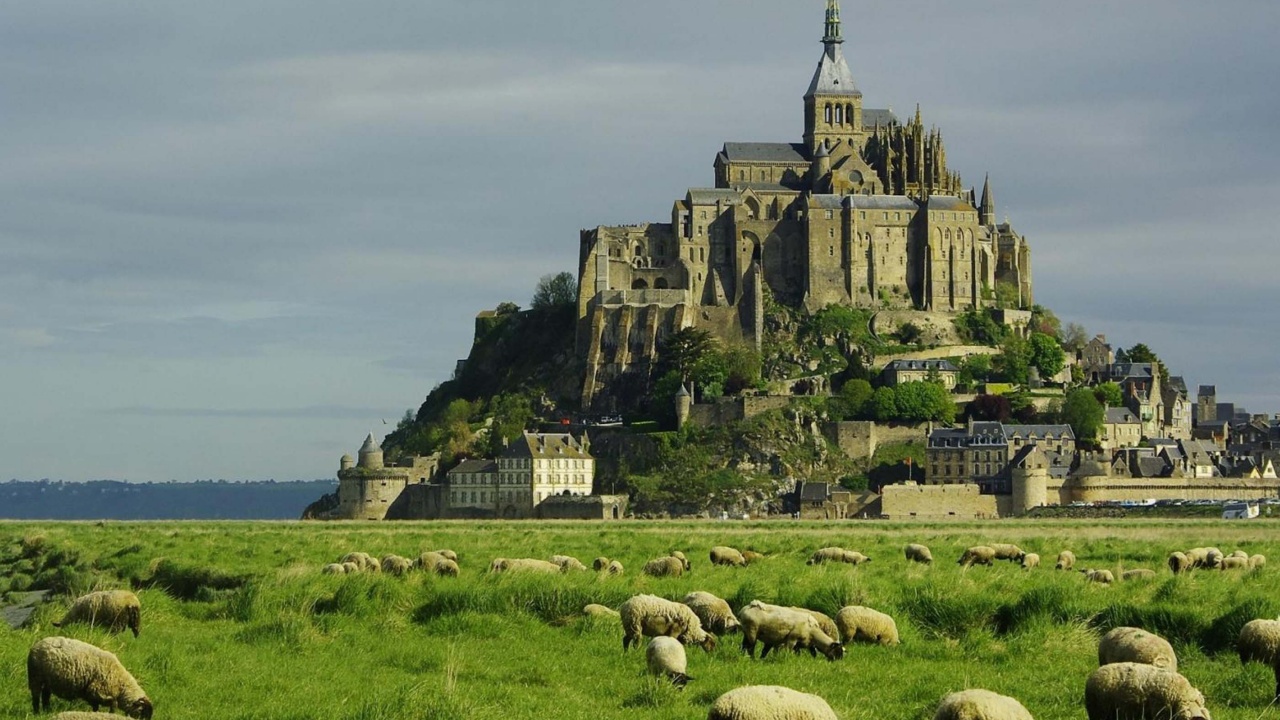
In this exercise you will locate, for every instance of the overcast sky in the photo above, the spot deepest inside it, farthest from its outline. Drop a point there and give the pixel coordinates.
(237, 236)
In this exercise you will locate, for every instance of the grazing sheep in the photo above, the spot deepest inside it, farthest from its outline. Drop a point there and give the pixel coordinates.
(769, 702)
(600, 563)
(364, 561)
(652, 616)
(862, 624)
(1234, 562)
(615, 568)
(448, 554)
(1179, 562)
(1213, 558)
(837, 554)
(916, 552)
(669, 566)
(1131, 644)
(1008, 551)
(680, 556)
(523, 565)
(1137, 574)
(752, 556)
(977, 704)
(599, 611)
(778, 626)
(1030, 560)
(665, 658)
(567, 563)
(723, 555)
(396, 565)
(825, 623)
(1102, 577)
(113, 609)
(351, 567)
(75, 670)
(977, 555)
(1066, 560)
(1260, 642)
(714, 612)
(74, 715)
(334, 569)
(1135, 691)
(1257, 561)
(446, 568)
(432, 561)
(1239, 554)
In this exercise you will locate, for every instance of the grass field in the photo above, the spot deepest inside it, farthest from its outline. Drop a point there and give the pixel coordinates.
(238, 622)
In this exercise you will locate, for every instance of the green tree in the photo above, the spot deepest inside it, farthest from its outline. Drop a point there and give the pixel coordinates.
(1047, 355)
(853, 400)
(1140, 353)
(973, 370)
(512, 415)
(884, 404)
(743, 366)
(1082, 411)
(682, 350)
(979, 326)
(1109, 394)
(909, 334)
(1013, 364)
(1073, 337)
(553, 290)
(920, 401)
(1043, 320)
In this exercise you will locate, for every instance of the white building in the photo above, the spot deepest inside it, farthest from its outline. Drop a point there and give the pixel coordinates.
(534, 467)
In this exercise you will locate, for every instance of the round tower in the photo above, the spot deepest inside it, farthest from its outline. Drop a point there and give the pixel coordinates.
(821, 166)
(684, 404)
(346, 462)
(370, 454)
(1030, 476)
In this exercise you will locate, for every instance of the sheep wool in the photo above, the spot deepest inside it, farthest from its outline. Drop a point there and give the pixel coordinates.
(669, 566)
(396, 565)
(724, 555)
(334, 569)
(75, 670)
(599, 611)
(523, 565)
(665, 657)
(1239, 554)
(615, 568)
(600, 563)
(1234, 562)
(446, 568)
(650, 615)
(825, 623)
(837, 554)
(1066, 560)
(865, 625)
(915, 552)
(978, 704)
(1259, 641)
(364, 561)
(1257, 561)
(1179, 562)
(769, 702)
(568, 563)
(713, 612)
(1135, 691)
(777, 626)
(977, 555)
(683, 560)
(1006, 551)
(1131, 644)
(1137, 574)
(752, 556)
(351, 567)
(113, 609)
(74, 715)
(1030, 560)
(1102, 577)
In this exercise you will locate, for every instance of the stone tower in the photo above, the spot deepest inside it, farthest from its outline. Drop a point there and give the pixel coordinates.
(346, 462)
(370, 454)
(684, 404)
(1030, 475)
(987, 208)
(1207, 404)
(833, 104)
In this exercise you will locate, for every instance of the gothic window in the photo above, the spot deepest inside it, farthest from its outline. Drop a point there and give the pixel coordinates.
(639, 250)
(839, 114)
(828, 114)
(702, 255)
(848, 115)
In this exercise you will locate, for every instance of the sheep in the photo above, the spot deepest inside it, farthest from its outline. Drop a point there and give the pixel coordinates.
(665, 657)
(683, 560)
(438, 563)
(1007, 551)
(1102, 577)
(334, 569)
(351, 567)
(665, 566)
(752, 556)
(1179, 562)
(1137, 574)
(599, 611)
(1257, 561)
(977, 555)
(446, 568)
(600, 563)
(567, 563)
(1259, 641)
(977, 704)
(114, 609)
(75, 715)
(75, 670)
(1030, 560)
(837, 554)
(651, 615)
(1131, 644)
(825, 623)
(723, 555)
(615, 568)
(1239, 554)
(1066, 560)
(364, 561)
(396, 565)
(1135, 691)
(714, 612)
(916, 552)
(448, 554)
(1234, 562)
(523, 565)
(777, 626)
(769, 702)
(1213, 558)
(862, 624)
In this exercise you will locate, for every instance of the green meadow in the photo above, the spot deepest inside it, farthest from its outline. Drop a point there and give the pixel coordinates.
(238, 622)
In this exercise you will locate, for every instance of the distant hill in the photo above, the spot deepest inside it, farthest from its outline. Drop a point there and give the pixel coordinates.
(114, 500)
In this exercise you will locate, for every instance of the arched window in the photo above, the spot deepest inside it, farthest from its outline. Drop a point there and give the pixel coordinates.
(639, 284)
(839, 114)
(828, 114)
(639, 250)
(660, 284)
(848, 114)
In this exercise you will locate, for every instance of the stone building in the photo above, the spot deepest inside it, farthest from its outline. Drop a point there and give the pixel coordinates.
(904, 371)
(368, 488)
(863, 212)
(533, 468)
(982, 453)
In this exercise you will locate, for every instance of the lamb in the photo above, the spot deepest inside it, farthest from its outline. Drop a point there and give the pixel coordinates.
(334, 569)
(615, 568)
(1066, 560)
(769, 702)
(669, 566)
(1234, 562)
(1030, 560)
(1102, 577)
(862, 624)
(777, 626)
(1006, 551)
(1135, 691)
(652, 616)
(752, 556)
(916, 552)
(1179, 562)
(114, 609)
(396, 565)
(837, 554)
(600, 563)
(523, 565)
(75, 670)
(1257, 561)
(1137, 574)
(684, 560)
(977, 704)
(724, 555)
(714, 612)
(1131, 644)
(977, 555)
(1260, 642)
(567, 563)
(599, 611)
(665, 657)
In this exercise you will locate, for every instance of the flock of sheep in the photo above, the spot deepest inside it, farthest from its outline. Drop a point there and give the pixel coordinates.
(1137, 678)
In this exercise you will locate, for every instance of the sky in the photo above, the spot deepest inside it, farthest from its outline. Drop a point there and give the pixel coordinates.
(235, 237)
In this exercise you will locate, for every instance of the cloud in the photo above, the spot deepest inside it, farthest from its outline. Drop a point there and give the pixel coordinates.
(326, 412)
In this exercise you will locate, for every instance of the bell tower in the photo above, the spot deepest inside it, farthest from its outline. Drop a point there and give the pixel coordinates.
(833, 104)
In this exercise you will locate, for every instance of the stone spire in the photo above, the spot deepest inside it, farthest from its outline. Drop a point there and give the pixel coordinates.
(833, 76)
(832, 34)
(987, 209)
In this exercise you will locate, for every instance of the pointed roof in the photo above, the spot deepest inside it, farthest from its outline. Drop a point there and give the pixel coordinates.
(833, 76)
(370, 445)
(988, 205)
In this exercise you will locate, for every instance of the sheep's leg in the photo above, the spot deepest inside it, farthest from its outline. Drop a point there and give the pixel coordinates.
(626, 642)
(749, 646)
(46, 695)
(765, 652)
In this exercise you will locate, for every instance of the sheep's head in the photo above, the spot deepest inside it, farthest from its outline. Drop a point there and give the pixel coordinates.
(708, 642)
(835, 651)
(1193, 708)
(140, 708)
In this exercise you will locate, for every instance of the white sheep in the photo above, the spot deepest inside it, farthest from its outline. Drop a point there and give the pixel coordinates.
(1239, 554)
(978, 704)
(1102, 577)
(568, 562)
(1030, 560)
(665, 657)
(1066, 560)
(437, 562)
(113, 609)
(684, 560)
(615, 568)
(724, 555)
(1233, 562)
(652, 616)
(1007, 551)
(752, 556)
(599, 611)
(79, 715)
(363, 560)
(448, 554)
(977, 555)
(1259, 641)
(600, 563)
(916, 552)
(396, 565)
(1137, 574)
(863, 624)
(1213, 557)
(837, 554)
(825, 623)
(334, 569)
(769, 702)
(777, 626)
(523, 565)
(1179, 562)
(75, 670)
(1131, 644)
(669, 566)
(1257, 561)
(1136, 691)
(714, 612)
(351, 567)
(446, 568)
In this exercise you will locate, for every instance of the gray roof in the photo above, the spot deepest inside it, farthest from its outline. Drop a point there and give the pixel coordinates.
(883, 202)
(711, 196)
(1150, 467)
(1208, 390)
(790, 153)
(481, 465)
(827, 202)
(949, 202)
(1124, 371)
(985, 434)
(1039, 431)
(878, 116)
(833, 76)
(370, 445)
(1176, 382)
(1120, 415)
(813, 491)
(939, 365)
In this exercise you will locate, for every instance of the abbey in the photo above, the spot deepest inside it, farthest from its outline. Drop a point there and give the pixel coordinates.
(862, 212)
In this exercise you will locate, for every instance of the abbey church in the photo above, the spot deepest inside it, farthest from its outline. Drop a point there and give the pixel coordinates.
(862, 212)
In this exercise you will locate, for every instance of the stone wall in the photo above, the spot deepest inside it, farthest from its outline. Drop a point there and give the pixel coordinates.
(1106, 489)
(860, 438)
(727, 410)
(583, 507)
(911, 501)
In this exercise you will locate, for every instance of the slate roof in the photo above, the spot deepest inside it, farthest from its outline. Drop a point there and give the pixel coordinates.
(883, 202)
(814, 491)
(1208, 390)
(939, 365)
(710, 196)
(790, 153)
(877, 116)
(833, 76)
(948, 202)
(1120, 415)
(1148, 466)
(1035, 432)
(1176, 382)
(534, 445)
(1124, 371)
(985, 434)
(480, 465)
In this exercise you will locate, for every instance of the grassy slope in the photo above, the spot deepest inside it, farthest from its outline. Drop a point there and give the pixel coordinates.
(296, 644)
